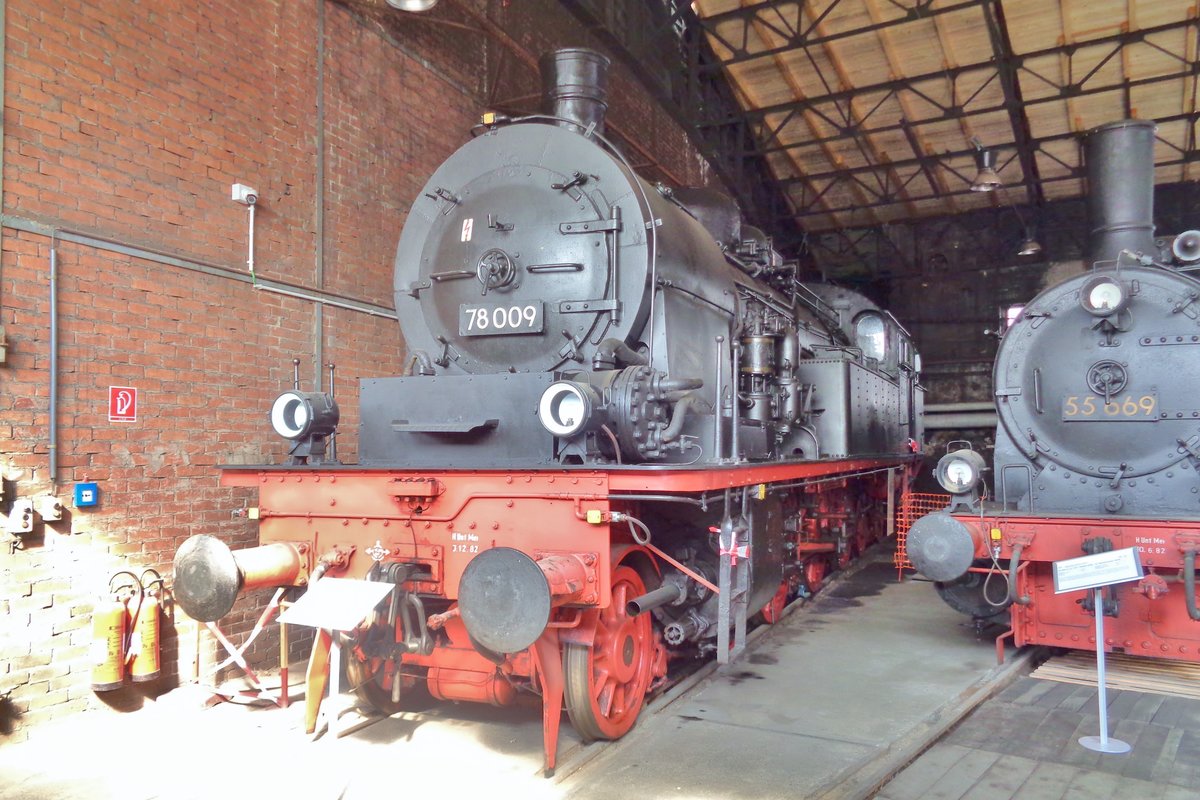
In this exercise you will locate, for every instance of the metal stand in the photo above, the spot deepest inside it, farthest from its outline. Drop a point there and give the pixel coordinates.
(236, 656)
(1101, 743)
(333, 605)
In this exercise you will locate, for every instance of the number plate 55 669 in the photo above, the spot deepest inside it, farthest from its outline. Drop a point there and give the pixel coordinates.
(1126, 408)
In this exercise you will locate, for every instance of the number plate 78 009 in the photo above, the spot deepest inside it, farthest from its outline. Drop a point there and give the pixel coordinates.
(487, 320)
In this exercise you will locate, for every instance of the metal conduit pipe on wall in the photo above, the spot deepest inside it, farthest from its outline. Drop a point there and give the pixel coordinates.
(319, 312)
(220, 271)
(3, 103)
(57, 234)
(52, 446)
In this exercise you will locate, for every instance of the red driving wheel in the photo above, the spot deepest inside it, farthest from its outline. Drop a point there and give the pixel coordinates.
(773, 610)
(815, 570)
(605, 684)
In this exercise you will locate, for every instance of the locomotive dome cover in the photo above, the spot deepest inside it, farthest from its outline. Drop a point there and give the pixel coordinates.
(510, 256)
(1104, 396)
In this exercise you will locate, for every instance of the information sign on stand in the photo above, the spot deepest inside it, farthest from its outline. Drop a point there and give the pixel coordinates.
(1093, 573)
(335, 604)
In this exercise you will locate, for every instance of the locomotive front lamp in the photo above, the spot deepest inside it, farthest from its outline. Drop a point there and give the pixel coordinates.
(1103, 296)
(960, 472)
(566, 407)
(300, 415)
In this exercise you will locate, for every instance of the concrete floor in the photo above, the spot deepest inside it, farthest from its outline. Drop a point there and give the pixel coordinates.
(828, 703)
(1023, 744)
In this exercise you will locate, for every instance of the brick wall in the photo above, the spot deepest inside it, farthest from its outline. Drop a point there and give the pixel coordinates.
(125, 125)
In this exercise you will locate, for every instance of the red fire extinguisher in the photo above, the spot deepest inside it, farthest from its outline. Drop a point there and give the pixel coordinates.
(109, 633)
(143, 656)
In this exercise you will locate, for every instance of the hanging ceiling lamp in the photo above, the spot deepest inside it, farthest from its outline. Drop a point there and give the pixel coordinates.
(1030, 246)
(986, 179)
(412, 5)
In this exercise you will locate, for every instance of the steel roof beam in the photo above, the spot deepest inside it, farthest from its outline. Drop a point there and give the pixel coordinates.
(952, 73)
(923, 161)
(922, 9)
(1188, 158)
(1062, 93)
(1002, 47)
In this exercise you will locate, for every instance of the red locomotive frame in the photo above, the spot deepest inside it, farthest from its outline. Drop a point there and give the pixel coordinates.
(593, 652)
(1155, 616)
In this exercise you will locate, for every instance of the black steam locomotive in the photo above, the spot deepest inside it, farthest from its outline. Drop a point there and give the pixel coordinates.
(1099, 438)
(625, 428)
(538, 271)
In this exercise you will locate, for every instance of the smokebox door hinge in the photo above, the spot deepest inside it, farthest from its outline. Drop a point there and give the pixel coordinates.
(591, 226)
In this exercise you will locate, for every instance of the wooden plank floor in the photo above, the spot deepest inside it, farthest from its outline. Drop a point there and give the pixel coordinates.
(1177, 678)
(1023, 743)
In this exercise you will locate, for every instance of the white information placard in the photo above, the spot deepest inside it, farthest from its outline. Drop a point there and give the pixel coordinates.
(336, 604)
(1102, 569)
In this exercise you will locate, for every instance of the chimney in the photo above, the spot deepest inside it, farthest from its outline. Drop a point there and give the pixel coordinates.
(575, 87)
(1120, 199)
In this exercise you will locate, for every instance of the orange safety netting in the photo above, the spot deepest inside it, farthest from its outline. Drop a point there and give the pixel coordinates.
(913, 506)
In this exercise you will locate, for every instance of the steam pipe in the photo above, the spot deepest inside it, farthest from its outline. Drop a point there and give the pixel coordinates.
(1189, 584)
(610, 352)
(420, 363)
(1014, 567)
(664, 595)
(1120, 197)
(719, 413)
(680, 384)
(735, 401)
(678, 416)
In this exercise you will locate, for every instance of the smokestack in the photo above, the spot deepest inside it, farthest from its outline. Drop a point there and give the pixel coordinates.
(1120, 199)
(575, 86)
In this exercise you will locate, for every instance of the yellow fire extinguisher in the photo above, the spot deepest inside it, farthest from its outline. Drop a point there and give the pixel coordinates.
(109, 630)
(143, 657)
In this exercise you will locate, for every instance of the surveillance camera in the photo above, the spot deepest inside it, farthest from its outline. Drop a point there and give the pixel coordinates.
(244, 194)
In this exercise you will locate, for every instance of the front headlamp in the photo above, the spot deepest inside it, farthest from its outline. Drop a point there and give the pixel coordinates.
(566, 408)
(298, 415)
(1103, 296)
(960, 472)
